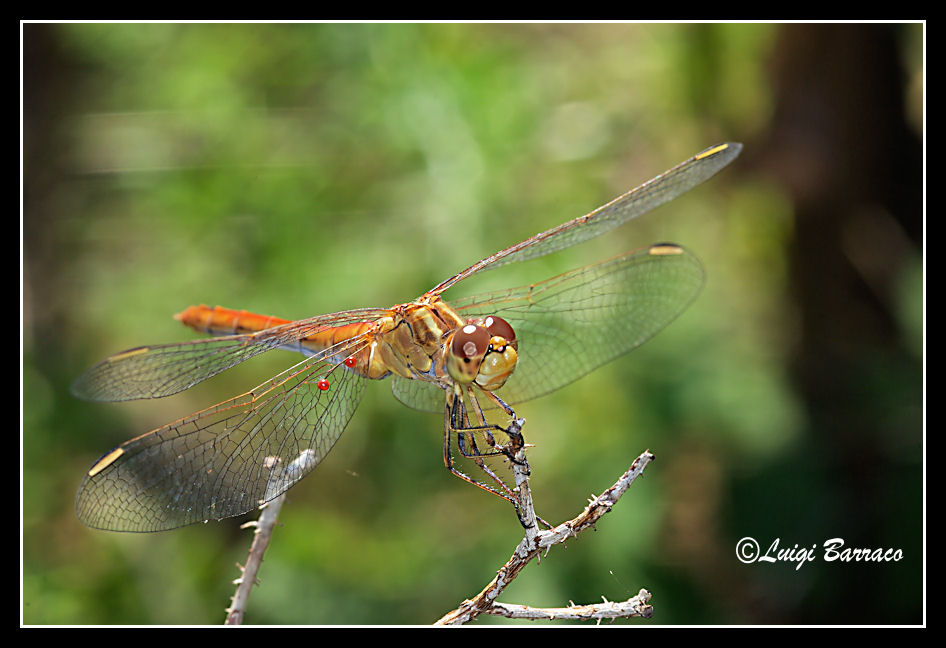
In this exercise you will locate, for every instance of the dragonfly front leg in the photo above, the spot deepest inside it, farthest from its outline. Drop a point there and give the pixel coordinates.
(456, 420)
(516, 440)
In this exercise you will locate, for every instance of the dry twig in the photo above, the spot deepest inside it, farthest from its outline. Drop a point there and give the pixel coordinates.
(535, 541)
(263, 532)
(634, 606)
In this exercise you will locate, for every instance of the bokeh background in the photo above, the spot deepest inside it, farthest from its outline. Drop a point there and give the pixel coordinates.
(296, 169)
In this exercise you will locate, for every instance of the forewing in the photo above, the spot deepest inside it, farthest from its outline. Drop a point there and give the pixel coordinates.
(661, 189)
(166, 369)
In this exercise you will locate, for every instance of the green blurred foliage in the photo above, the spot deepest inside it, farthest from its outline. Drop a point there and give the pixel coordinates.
(296, 169)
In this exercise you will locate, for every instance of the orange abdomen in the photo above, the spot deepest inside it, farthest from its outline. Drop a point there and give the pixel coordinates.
(218, 320)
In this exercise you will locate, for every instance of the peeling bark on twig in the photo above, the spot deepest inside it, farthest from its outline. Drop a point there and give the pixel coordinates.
(636, 606)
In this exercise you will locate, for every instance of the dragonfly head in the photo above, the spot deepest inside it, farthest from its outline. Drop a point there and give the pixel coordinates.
(482, 351)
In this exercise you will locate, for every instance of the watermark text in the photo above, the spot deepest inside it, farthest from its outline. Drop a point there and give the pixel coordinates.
(748, 550)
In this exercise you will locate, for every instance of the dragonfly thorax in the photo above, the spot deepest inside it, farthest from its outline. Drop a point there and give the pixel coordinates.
(431, 342)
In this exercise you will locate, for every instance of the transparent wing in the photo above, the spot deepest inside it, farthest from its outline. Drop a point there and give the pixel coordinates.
(166, 369)
(418, 394)
(227, 459)
(657, 191)
(571, 324)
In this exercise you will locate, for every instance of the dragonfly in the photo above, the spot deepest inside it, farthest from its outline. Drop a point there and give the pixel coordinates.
(459, 357)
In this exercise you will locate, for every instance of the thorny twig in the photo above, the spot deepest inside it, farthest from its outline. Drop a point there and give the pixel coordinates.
(535, 541)
(263, 532)
(634, 606)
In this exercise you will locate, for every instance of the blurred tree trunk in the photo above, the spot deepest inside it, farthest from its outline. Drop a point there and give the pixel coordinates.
(840, 143)
(48, 85)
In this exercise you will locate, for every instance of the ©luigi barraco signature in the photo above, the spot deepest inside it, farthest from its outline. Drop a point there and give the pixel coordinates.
(748, 551)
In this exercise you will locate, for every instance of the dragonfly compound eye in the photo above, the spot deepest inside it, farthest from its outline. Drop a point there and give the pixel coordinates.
(465, 351)
(498, 327)
(484, 351)
(501, 357)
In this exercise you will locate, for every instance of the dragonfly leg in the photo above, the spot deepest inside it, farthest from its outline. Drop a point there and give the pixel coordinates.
(448, 461)
(516, 440)
(456, 421)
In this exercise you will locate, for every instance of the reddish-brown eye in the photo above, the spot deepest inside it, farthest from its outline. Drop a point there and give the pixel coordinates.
(502, 328)
(470, 342)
